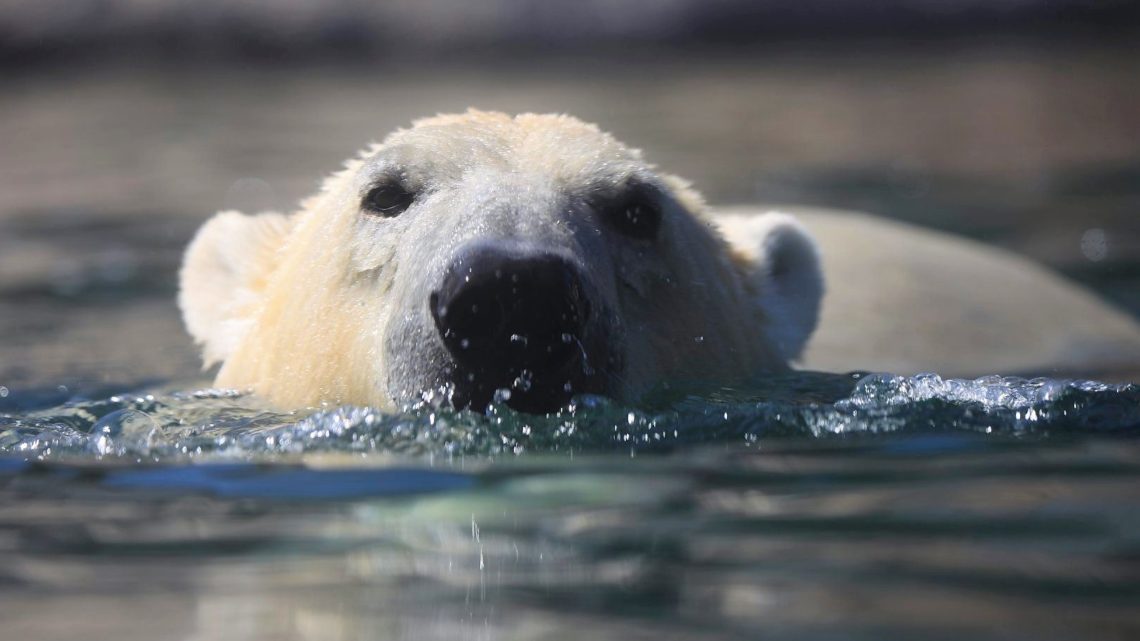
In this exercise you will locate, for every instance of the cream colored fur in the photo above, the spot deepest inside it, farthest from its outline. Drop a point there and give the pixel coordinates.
(783, 263)
(328, 304)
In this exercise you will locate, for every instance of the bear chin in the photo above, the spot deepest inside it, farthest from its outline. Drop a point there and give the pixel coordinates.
(535, 391)
(526, 392)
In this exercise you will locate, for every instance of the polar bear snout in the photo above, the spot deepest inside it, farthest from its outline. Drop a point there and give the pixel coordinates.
(516, 319)
(492, 305)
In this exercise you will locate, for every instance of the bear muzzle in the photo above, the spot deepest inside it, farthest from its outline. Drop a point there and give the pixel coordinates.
(518, 319)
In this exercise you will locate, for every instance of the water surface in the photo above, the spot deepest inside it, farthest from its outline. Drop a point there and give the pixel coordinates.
(811, 506)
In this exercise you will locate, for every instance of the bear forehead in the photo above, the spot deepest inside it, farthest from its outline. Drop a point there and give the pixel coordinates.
(557, 146)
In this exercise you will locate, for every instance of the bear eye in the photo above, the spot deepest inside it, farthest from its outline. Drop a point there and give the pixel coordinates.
(636, 215)
(388, 200)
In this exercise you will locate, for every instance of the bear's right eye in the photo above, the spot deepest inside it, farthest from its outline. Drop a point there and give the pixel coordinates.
(387, 200)
(635, 214)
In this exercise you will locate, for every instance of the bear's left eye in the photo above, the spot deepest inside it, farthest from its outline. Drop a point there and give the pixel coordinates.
(387, 200)
(636, 215)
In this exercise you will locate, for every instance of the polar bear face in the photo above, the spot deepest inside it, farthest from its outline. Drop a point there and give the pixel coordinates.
(482, 252)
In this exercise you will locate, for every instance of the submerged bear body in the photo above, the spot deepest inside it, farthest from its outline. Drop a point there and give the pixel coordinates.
(531, 257)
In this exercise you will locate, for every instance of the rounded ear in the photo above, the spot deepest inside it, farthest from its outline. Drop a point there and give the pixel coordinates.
(222, 277)
(780, 264)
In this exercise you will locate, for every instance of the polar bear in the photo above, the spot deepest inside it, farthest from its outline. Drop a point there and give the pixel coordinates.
(532, 257)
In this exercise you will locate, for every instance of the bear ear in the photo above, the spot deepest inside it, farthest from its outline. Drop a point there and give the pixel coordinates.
(223, 275)
(781, 267)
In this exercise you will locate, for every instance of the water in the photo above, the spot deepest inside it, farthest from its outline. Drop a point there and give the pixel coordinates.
(219, 424)
(809, 506)
(797, 508)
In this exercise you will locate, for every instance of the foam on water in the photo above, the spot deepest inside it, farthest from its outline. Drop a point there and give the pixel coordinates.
(216, 424)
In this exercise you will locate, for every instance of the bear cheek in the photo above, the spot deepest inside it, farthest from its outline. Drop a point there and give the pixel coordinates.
(372, 249)
(638, 272)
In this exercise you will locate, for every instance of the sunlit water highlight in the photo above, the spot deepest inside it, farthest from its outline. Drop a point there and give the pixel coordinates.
(219, 424)
(807, 506)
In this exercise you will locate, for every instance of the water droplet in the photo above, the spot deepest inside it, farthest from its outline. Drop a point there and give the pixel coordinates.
(3, 392)
(123, 430)
(524, 381)
(1094, 244)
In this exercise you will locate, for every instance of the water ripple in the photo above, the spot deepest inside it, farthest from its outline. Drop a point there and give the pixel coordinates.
(223, 425)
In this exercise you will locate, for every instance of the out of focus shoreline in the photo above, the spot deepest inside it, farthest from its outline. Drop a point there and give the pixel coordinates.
(286, 31)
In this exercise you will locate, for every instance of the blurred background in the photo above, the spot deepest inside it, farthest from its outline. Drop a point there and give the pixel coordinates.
(125, 123)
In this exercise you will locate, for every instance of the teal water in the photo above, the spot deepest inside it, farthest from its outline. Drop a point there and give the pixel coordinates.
(809, 506)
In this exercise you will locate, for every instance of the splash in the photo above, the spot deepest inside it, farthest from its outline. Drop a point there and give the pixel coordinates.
(223, 425)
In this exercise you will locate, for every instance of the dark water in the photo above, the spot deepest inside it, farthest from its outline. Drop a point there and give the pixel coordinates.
(812, 506)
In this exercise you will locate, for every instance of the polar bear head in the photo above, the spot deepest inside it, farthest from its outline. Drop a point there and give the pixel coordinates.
(476, 253)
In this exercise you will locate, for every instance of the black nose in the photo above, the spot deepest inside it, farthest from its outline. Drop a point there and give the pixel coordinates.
(501, 311)
(505, 315)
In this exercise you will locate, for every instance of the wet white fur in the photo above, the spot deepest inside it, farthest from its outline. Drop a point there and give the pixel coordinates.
(786, 268)
(306, 308)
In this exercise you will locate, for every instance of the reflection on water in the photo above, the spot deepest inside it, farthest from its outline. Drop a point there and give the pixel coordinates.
(811, 506)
